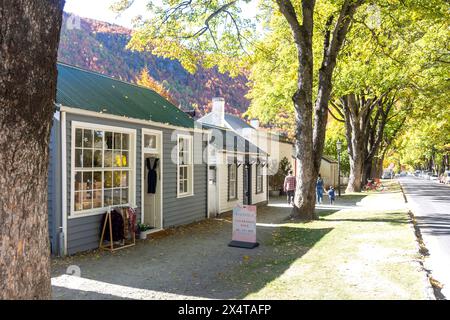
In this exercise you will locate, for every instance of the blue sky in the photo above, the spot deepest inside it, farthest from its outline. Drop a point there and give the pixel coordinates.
(99, 10)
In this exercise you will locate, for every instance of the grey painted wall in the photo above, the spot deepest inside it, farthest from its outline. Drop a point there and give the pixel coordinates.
(83, 232)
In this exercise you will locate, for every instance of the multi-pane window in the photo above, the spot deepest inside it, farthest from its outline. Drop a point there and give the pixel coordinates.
(102, 169)
(259, 179)
(232, 181)
(185, 166)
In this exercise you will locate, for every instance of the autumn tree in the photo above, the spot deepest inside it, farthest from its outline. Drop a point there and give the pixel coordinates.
(28, 49)
(388, 57)
(381, 69)
(215, 33)
(146, 80)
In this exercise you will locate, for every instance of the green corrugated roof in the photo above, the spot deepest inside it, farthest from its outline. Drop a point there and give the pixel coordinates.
(92, 91)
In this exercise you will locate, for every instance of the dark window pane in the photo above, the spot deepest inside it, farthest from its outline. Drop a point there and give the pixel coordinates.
(87, 180)
(98, 139)
(108, 179)
(98, 154)
(124, 181)
(78, 138)
(185, 186)
(87, 200)
(87, 158)
(116, 179)
(107, 197)
(124, 196)
(116, 196)
(78, 181)
(117, 141)
(108, 159)
(78, 158)
(109, 140)
(97, 202)
(87, 138)
(98, 183)
(150, 141)
(125, 141)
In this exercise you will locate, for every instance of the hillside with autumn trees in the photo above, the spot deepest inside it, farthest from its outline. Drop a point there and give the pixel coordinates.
(101, 47)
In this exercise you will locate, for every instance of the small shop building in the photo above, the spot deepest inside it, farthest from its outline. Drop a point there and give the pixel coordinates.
(237, 172)
(107, 136)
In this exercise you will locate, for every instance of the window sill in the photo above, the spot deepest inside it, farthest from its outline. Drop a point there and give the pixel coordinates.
(185, 195)
(93, 212)
(86, 214)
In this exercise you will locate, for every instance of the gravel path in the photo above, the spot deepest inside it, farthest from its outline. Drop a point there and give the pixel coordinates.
(189, 262)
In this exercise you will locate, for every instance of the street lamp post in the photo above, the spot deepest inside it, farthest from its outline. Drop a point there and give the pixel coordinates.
(338, 147)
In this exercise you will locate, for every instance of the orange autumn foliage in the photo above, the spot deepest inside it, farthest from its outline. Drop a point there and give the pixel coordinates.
(146, 80)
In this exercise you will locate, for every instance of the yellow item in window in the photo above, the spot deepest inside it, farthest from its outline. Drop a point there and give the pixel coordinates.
(124, 161)
(117, 160)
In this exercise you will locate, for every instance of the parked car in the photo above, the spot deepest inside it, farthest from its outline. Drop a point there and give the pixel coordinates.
(434, 177)
(417, 173)
(445, 178)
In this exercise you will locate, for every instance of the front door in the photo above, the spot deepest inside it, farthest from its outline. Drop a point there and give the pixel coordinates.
(152, 162)
(247, 184)
(212, 191)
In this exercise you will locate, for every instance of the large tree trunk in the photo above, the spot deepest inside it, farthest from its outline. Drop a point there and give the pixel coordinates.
(309, 139)
(356, 174)
(29, 36)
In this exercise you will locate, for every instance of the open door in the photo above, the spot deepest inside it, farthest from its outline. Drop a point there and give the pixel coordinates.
(152, 182)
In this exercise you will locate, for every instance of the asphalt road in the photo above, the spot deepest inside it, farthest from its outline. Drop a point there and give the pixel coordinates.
(430, 203)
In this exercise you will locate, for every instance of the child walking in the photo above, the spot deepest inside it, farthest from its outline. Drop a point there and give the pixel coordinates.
(331, 195)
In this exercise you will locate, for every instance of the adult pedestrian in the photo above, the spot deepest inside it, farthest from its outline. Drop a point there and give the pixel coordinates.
(319, 189)
(290, 183)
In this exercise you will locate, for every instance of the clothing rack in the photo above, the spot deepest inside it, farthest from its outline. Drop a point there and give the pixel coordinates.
(111, 247)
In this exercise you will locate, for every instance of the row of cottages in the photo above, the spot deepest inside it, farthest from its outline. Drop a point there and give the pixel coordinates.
(108, 134)
(274, 145)
(237, 167)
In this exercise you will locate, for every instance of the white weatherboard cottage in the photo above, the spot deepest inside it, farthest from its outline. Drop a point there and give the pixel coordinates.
(237, 167)
(273, 144)
(104, 133)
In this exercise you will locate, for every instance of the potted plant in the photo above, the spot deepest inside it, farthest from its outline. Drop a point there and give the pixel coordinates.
(142, 227)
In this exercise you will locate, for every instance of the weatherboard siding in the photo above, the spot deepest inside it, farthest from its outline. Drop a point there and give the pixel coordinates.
(54, 183)
(83, 233)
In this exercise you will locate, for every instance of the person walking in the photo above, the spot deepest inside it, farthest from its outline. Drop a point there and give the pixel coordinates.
(331, 194)
(290, 183)
(319, 189)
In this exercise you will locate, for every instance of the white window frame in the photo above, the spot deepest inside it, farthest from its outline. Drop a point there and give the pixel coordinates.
(233, 183)
(190, 166)
(259, 179)
(131, 167)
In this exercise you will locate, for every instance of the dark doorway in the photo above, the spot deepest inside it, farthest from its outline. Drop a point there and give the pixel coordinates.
(247, 184)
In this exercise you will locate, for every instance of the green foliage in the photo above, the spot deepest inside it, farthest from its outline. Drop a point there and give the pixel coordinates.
(397, 47)
(195, 32)
(335, 132)
(277, 180)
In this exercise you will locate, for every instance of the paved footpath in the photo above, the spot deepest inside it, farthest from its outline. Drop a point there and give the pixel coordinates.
(430, 203)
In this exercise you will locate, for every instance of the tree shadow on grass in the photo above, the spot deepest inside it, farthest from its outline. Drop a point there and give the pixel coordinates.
(288, 245)
(197, 265)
